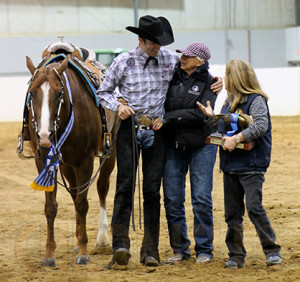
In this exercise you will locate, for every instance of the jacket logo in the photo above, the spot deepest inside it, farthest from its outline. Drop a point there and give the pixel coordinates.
(194, 90)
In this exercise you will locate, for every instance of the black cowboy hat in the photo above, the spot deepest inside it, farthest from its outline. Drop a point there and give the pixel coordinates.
(158, 30)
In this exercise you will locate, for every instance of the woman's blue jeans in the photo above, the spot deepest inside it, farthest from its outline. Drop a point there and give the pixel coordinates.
(200, 162)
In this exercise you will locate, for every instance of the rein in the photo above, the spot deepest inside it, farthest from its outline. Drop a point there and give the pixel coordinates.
(135, 166)
(135, 157)
(90, 182)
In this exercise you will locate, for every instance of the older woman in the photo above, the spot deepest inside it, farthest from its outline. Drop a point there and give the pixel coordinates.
(243, 171)
(185, 132)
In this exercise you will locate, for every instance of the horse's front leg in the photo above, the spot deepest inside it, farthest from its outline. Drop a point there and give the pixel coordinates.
(76, 178)
(50, 212)
(81, 207)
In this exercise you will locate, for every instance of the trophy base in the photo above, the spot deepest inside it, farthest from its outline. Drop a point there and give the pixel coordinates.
(216, 139)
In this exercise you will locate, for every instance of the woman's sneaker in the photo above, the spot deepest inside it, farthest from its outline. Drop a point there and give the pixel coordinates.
(234, 264)
(204, 258)
(178, 257)
(273, 259)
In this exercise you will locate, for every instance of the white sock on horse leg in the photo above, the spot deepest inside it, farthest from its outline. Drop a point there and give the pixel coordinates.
(102, 236)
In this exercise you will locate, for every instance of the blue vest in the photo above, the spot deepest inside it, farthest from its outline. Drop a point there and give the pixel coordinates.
(257, 159)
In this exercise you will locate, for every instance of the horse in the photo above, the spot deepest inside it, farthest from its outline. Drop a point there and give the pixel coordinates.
(51, 106)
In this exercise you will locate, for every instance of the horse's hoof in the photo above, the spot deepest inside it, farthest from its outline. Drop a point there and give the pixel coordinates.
(82, 259)
(49, 262)
(102, 249)
(104, 245)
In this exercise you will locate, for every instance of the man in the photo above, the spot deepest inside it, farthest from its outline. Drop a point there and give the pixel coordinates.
(142, 76)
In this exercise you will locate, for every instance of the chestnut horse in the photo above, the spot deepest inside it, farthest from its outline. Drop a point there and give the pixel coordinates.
(51, 107)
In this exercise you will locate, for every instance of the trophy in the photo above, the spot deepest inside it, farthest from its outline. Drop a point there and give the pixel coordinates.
(235, 122)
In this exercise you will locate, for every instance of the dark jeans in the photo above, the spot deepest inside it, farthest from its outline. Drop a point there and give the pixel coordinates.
(200, 162)
(236, 187)
(153, 165)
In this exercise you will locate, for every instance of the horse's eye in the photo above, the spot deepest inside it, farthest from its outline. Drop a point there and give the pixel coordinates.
(58, 93)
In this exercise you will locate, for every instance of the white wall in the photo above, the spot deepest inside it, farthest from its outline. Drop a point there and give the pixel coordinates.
(281, 84)
(12, 97)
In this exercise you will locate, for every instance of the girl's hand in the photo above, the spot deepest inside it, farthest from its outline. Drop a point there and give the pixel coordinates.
(208, 111)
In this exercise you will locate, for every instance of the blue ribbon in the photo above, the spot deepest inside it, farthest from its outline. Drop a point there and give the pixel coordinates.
(233, 123)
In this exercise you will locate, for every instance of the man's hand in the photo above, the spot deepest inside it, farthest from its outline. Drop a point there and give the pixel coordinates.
(208, 111)
(124, 111)
(218, 85)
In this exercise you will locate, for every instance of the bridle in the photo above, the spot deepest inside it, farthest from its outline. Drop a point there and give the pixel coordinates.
(57, 121)
(58, 143)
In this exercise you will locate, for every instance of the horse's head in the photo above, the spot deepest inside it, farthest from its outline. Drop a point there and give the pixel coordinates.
(46, 95)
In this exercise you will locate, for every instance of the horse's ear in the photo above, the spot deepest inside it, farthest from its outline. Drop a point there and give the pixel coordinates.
(63, 66)
(30, 65)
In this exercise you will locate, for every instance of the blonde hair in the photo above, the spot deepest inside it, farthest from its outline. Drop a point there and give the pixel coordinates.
(241, 80)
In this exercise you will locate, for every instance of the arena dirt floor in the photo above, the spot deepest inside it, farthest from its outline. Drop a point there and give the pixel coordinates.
(23, 225)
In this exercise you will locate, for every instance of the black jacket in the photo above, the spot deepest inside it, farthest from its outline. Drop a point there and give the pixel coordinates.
(185, 126)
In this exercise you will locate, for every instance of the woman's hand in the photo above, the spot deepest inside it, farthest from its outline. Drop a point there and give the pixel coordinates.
(218, 85)
(208, 111)
(157, 124)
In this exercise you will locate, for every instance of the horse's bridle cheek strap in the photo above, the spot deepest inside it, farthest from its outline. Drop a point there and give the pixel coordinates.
(33, 120)
(57, 119)
(34, 123)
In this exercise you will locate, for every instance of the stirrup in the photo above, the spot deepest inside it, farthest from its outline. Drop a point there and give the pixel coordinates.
(19, 150)
(107, 144)
(24, 149)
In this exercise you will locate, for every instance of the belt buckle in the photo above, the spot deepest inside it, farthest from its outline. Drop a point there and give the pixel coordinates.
(143, 127)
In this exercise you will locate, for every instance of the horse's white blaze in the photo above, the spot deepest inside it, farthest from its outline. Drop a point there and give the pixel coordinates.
(45, 116)
(102, 237)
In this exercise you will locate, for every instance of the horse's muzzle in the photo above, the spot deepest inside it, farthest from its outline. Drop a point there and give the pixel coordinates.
(44, 139)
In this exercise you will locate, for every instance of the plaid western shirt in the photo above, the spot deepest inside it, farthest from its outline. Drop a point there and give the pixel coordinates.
(144, 89)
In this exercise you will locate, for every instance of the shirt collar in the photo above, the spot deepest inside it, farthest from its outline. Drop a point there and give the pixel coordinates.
(142, 55)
